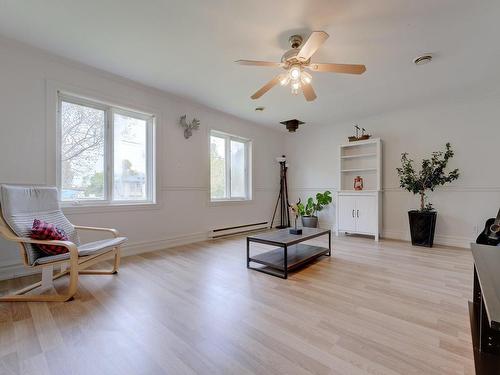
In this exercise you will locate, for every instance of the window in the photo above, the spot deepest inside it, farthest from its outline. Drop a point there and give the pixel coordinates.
(229, 167)
(105, 154)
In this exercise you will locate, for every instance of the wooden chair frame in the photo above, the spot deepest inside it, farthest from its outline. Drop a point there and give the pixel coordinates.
(77, 265)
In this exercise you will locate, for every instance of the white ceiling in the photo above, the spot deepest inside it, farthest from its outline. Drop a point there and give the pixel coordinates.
(188, 47)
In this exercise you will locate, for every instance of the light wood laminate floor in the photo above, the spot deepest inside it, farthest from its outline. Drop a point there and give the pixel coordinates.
(385, 308)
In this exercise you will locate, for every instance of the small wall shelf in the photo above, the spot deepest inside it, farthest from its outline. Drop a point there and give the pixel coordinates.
(358, 170)
(358, 156)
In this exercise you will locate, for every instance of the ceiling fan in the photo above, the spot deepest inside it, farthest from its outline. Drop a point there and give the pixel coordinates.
(296, 60)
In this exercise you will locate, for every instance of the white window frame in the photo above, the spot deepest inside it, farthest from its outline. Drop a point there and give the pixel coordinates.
(248, 166)
(109, 111)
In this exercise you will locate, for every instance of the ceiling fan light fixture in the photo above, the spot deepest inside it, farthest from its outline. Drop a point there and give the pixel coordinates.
(295, 72)
(306, 78)
(284, 79)
(295, 87)
(295, 61)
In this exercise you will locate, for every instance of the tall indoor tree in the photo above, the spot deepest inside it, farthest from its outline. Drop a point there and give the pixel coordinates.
(431, 175)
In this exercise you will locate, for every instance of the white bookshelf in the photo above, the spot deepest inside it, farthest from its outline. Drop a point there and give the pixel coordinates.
(362, 158)
(359, 211)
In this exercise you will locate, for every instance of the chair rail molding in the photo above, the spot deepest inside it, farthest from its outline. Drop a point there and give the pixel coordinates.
(454, 189)
(392, 189)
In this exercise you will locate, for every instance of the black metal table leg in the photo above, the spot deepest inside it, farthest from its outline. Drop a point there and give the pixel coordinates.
(248, 252)
(329, 243)
(285, 261)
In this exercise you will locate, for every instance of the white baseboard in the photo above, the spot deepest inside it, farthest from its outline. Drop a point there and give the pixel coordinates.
(165, 243)
(439, 239)
(444, 240)
(15, 269)
(216, 233)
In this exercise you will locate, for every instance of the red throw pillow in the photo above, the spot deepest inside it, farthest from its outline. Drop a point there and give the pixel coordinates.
(42, 230)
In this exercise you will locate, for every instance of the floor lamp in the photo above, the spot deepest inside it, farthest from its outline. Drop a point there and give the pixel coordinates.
(282, 201)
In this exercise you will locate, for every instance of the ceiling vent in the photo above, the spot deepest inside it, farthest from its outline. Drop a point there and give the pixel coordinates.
(424, 59)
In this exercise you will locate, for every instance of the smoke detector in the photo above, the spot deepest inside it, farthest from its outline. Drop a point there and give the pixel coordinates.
(421, 60)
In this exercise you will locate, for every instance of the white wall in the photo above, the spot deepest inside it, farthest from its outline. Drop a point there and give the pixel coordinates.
(472, 126)
(184, 214)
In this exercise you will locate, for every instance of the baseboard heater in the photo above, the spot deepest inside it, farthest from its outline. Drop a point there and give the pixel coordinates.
(238, 229)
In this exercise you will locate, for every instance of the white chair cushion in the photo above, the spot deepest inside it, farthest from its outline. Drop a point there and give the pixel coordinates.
(90, 248)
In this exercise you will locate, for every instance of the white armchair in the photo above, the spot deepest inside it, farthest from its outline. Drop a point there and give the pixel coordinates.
(20, 205)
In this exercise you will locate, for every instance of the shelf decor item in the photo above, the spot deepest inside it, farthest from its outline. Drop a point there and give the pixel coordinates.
(358, 183)
(431, 175)
(309, 210)
(357, 137)
(295, 211)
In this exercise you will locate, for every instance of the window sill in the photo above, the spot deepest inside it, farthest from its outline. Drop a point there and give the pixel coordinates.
(229, 202)
(69, 208)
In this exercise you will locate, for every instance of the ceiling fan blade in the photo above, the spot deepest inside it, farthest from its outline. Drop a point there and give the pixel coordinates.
(308, 92)
(258, 63)
(315, 40)
(338, 68)
(268, 86)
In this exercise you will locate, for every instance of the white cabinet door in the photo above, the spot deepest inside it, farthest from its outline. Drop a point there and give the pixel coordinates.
(366, 214)
(347, 213)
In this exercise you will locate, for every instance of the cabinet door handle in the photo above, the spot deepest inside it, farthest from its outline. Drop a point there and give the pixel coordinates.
(357, 213)
(352, 213)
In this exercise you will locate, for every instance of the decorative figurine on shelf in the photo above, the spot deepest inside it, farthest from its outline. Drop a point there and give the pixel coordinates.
(358, 183)
(357, 137)
(295, 211)
(353, 138)
(364, 136)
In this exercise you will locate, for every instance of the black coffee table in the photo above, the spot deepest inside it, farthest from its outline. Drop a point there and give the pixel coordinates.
(290, 253)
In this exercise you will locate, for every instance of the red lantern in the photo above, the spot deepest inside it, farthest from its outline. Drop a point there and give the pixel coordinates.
(358, 183)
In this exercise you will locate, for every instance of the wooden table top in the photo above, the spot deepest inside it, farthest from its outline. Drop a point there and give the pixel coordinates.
(283, 236)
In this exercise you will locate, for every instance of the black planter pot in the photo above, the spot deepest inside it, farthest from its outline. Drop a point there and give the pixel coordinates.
(422, 227)
(310, 221)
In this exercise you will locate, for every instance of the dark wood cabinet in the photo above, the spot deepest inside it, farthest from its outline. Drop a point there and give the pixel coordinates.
(484, 310)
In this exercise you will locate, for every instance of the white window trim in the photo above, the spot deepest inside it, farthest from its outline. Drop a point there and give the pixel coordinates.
(109, 109)
(248, 168)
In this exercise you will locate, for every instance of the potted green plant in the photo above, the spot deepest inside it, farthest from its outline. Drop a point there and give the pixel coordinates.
(308, 211)
(431, 175)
